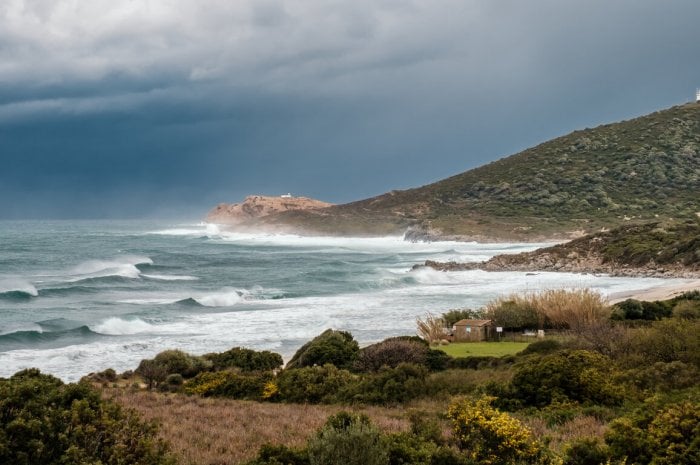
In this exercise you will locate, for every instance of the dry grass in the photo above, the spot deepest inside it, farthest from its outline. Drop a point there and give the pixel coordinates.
(431, 328)
(557, 436)
(575, 309)
(206, 431)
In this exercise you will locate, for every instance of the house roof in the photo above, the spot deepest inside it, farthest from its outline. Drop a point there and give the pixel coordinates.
(467, 322)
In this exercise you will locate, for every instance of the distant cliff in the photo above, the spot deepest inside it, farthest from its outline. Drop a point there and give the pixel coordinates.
(256, 207)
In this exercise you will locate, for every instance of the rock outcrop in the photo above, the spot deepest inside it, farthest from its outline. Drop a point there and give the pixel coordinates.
(650, 250)
(255, 207)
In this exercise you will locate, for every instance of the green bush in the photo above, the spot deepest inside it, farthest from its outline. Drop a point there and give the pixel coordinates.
(668, 435)
(229, 384)
(335, 347)
(245, 360)
(544, 346)
(391, 385)
(390, 353)
(570, 375)
(632, 309)
(318, 384)
(348, 440)
(280, 455)
(585, 451)
(43, 421)
(687, 310)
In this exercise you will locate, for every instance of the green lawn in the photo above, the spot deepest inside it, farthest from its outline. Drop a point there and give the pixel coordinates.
(492, 349)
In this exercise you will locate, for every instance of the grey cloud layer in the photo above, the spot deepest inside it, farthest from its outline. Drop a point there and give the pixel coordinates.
(396, 93)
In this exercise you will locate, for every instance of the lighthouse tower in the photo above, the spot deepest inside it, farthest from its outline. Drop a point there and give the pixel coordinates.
(697, 96)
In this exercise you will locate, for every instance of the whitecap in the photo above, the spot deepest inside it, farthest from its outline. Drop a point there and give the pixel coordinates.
(10, 285)
(163, 277)
(224, 298)
(117, 327)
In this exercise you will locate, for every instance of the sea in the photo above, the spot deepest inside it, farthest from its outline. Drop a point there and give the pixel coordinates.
(82, 296)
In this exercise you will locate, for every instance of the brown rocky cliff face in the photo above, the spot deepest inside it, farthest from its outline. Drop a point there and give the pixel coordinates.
(259, 206)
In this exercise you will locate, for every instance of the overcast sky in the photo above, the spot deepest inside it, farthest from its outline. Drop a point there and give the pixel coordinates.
(119, 108)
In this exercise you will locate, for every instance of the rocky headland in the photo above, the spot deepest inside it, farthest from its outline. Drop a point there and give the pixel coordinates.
(257, 207)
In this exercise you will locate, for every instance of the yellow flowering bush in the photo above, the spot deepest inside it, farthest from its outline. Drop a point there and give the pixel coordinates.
(489, 436)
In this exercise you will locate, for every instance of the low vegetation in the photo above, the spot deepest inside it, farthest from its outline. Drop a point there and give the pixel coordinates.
(620, 385)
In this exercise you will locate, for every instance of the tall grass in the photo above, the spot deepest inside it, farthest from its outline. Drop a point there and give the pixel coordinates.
(575, 309)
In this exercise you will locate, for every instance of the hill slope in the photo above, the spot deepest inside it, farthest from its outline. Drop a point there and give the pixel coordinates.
(636, 170)
(651, 249)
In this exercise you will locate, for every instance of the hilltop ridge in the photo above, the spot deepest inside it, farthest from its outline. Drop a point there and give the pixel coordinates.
(639, 170)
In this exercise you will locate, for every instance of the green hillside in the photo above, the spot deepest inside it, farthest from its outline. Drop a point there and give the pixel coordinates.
(636, 170)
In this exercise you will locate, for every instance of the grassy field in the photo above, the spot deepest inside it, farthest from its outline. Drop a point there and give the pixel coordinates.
(483, 349)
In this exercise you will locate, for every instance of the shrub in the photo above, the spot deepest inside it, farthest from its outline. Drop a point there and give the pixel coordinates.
(335, 347)
(437, 360)
(453, 316)
(666, 341)
(177, 361)
(405, 448)
(488, 436)
(347, 439)
(687, 310)
(229, 384)
(666, 436)
(632, 309)
(47, 422)
(513, 313)
(151, 372)
(576, 375)
(319, 384)
(391, 385)
(245, 360)
(390, 353)
(280, 455)
(544, 346)
(585, 451)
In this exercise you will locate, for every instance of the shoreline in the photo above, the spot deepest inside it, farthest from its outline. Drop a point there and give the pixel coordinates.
(661, 292)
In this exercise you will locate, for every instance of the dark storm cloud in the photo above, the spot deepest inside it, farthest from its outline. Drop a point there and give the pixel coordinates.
(137, 108)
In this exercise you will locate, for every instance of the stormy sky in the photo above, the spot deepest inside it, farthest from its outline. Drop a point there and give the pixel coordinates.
(120, 108)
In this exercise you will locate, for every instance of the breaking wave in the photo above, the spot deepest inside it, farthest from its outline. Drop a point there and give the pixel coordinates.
(118, 327)
(13, 289)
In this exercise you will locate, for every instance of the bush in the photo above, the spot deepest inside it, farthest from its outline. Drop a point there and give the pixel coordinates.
(319, 384)
(280, 455)
(229, 384)
(491, 437)
(453, 316)
(245, 360)
(437, 360)
(151, 372)
(44, 421)
(335, 347)
(632, 309)
(687, 310)
(177, 361)
(391, 385)
(585, 451)
(544, 346)
(576, 375)
(513, 313)
(349, 440)
(390, 353)
(666, 436)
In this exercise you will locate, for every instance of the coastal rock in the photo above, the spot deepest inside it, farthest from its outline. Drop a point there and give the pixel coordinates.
(259, 206)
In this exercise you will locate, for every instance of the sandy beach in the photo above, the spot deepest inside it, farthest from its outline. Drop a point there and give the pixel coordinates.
(663, 292)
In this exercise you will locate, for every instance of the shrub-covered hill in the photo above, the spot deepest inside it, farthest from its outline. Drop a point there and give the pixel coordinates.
(653, 249)
(643, 168)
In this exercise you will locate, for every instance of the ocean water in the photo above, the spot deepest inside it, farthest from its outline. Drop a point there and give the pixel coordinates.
(83, 296)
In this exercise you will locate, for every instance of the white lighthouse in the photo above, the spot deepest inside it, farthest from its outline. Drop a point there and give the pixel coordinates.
(697, 95)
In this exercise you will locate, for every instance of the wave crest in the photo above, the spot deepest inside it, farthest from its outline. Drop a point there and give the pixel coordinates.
(17, 288)
(118, 327)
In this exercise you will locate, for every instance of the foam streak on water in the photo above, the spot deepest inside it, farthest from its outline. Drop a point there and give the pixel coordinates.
(138, 288)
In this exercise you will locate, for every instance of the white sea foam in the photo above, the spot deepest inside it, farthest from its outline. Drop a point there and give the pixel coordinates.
(17, 285)
(223, 298)
(124, 267)
(164, 277)
(117, 327)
